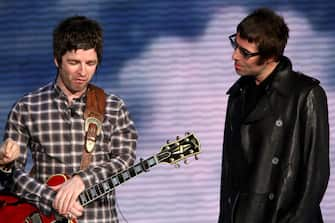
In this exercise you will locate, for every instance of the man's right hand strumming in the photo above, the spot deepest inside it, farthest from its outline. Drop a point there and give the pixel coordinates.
(9, 151)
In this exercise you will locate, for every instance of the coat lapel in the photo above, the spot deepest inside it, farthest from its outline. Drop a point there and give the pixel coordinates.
(261, 110)
(281, 85)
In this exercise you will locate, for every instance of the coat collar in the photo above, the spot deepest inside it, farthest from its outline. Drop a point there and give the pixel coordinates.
(282, 80)
(280, 85)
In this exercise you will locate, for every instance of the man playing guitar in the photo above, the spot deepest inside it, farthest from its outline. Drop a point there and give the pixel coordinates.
(63, 138)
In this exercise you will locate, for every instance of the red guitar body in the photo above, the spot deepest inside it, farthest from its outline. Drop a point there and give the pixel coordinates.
(14, 210)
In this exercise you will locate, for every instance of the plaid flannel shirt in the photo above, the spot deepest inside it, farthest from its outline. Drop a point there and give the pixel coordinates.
(54, 131)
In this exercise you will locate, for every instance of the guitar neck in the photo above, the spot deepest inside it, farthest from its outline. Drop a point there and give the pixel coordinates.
(106, 186)
(170, 153)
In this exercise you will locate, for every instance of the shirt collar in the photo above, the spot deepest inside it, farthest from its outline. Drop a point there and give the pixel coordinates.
(58, 93)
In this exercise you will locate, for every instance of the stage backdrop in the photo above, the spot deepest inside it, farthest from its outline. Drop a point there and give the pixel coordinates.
(171, 62)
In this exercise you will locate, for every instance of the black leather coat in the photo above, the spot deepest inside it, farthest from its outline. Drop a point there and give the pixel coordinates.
(275, 165)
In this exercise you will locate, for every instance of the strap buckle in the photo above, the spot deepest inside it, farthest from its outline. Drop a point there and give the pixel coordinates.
(93, 129)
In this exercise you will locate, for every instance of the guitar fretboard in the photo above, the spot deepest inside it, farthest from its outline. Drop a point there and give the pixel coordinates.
(106, 186)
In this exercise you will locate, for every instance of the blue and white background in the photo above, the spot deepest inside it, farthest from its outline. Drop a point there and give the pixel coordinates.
(170, 60)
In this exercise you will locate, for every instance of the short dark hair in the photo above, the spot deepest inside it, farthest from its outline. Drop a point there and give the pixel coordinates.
(77, 32)
(267, 29)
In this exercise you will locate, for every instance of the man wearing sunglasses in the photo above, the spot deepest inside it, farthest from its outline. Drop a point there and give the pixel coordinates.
(275, 165)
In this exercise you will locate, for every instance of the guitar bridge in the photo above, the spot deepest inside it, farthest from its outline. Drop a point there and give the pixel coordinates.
(33, 218)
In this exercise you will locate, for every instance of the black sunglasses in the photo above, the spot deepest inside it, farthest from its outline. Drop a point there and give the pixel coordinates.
(244, 52)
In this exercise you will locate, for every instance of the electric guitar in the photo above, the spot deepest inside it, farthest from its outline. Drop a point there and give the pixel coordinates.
(14, 211)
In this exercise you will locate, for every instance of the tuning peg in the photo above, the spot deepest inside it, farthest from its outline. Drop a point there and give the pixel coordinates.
(177, 137)
(177, 165)
(187, 133)
(186, 161)
(196, 157)
(167, 141)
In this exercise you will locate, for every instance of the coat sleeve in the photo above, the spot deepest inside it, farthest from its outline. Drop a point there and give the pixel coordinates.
(315, 156)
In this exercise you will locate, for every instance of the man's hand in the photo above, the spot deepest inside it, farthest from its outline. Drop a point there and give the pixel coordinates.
(66, 199)
(9, 151)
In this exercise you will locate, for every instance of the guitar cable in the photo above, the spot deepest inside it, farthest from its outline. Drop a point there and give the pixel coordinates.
(119, 210)
(145, 169)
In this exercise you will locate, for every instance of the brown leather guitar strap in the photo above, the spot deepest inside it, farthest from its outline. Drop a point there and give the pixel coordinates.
(94, 116)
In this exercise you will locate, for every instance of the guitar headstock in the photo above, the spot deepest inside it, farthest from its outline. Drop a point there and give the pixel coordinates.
(180, 149)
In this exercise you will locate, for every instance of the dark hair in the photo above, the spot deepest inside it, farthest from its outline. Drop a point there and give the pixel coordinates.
(267, 30)
(77, 32)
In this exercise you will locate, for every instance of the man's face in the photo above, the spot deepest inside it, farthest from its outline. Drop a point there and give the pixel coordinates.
(76, 70)
(244, 65)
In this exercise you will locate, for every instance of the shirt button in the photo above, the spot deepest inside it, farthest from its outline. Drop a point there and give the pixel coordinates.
(271, 196)
(275, 160)
(279, 123)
